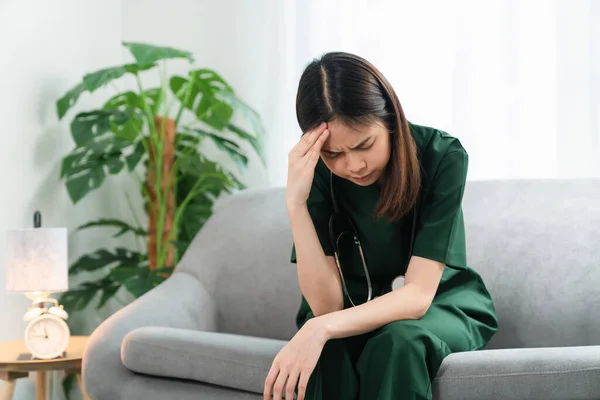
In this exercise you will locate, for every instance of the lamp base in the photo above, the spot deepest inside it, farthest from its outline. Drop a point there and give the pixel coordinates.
(37, 297)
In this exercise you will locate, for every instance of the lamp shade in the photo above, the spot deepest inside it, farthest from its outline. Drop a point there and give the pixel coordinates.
(37, 260)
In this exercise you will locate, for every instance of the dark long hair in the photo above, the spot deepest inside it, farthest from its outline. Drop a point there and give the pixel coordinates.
(345, 87)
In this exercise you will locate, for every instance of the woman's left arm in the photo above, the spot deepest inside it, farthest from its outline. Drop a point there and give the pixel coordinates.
(408, 302)
(439, 241)
(295, 362)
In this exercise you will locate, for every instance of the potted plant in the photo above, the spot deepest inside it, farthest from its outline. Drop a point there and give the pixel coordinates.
(141, 133)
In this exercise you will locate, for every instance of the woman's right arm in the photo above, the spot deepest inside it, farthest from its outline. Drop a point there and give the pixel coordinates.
(318, 276)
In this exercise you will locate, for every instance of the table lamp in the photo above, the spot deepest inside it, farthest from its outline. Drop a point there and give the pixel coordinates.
(37, 265)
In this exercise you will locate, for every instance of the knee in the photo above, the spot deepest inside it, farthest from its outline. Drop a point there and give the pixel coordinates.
(399, 338)
(334, 349)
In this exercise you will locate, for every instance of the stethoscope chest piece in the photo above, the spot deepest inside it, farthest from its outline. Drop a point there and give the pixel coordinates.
(398, 282)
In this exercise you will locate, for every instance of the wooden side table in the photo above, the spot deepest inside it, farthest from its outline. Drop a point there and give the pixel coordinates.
(14, 364)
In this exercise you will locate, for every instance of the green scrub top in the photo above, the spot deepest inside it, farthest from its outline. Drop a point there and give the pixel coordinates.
(439, 232)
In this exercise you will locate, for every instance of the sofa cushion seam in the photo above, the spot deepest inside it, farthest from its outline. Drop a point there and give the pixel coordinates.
(519, 374)
(204, 355)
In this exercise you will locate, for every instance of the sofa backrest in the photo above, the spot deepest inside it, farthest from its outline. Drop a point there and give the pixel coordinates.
(242, 256)
(536, 244)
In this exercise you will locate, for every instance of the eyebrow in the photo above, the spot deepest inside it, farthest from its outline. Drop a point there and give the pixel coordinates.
(358, 145)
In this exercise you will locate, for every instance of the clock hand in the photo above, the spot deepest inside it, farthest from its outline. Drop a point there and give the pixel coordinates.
(45, 333)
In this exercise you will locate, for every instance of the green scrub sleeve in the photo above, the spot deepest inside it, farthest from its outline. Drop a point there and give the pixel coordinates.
(320, 208)
(440, 234)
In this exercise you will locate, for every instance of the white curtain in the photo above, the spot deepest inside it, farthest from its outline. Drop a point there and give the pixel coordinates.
(517, 81)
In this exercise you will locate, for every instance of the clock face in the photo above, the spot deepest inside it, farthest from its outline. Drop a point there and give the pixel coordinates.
(47, 336)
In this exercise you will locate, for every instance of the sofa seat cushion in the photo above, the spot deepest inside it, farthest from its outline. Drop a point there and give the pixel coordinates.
(229, 360)
(551, 373)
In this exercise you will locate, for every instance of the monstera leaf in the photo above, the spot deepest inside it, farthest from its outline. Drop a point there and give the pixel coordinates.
(103, 258)
(256, 142)
(88, 126)
(199, 207)
(130, 105)
(198, 94)
(123, 227)
(146, 57)
(93, 81)
(146, 54)
(78, 298)
(139, 280)
(229, 146)
(85, 168)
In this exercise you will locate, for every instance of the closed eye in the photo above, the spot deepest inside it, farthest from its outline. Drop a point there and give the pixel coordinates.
(329, 154)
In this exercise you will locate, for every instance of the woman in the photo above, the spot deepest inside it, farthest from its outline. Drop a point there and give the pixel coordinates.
(363, 334)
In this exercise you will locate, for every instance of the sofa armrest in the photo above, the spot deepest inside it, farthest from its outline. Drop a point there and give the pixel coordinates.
(222, 359)
(181, 302)
(548, 373)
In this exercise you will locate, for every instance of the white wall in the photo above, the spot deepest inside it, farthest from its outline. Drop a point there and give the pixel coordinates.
(45, 48)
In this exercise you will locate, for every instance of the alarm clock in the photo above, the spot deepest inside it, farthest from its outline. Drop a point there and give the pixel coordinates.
(47, 335)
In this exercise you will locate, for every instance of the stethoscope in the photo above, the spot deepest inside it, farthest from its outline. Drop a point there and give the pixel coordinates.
(337, 220)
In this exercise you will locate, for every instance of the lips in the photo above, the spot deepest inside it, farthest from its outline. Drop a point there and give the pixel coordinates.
(362, 178)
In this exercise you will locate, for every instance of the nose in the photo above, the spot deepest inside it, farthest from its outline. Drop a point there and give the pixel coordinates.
(355, 164)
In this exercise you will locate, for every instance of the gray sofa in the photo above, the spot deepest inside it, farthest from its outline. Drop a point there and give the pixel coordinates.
(212, 329)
